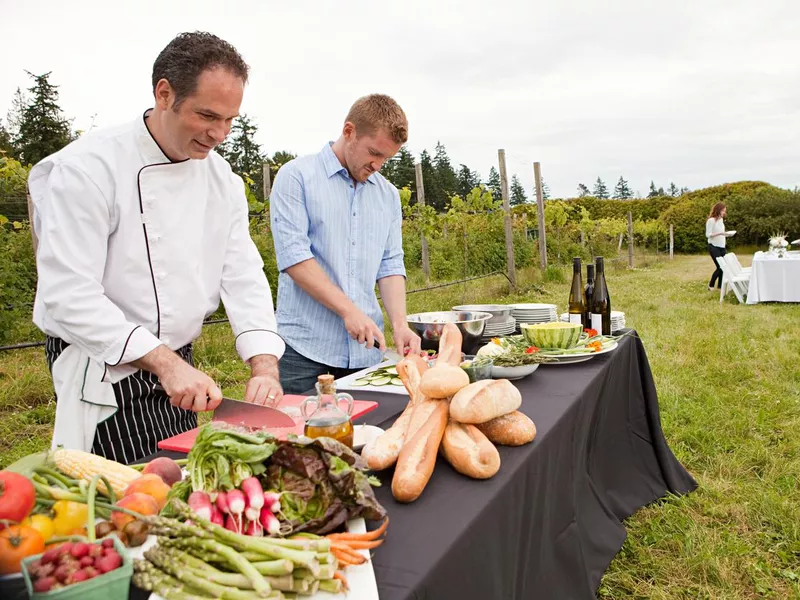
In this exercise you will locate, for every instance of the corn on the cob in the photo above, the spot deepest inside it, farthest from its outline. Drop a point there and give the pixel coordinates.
(83, 465)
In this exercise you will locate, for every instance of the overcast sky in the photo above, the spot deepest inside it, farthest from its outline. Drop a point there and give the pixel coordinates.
(696, 92)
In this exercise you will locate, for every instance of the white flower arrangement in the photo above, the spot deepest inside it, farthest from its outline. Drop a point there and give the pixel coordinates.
(778, 244)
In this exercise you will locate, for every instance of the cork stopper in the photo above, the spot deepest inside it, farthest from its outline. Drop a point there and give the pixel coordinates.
(326, 384)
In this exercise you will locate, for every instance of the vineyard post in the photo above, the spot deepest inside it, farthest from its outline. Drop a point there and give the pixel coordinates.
(671, 241)
(512, 271)
(426, 265)
(630, 239)
(537, 177)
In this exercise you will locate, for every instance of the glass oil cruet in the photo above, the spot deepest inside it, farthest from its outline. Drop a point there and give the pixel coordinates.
(328, 419)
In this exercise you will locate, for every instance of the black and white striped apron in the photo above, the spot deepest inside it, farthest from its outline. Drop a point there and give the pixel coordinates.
(144, 415)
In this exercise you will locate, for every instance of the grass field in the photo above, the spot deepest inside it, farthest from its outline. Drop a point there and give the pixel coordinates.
(728, 379)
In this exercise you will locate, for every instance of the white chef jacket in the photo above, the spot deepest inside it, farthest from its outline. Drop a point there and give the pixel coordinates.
(136, 250)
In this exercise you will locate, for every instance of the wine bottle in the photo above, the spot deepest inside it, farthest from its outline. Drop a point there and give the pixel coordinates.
(601, 302)
(577, 303)
(588, 293)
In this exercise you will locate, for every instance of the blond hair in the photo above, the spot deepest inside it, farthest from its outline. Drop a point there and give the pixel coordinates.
(378, 111)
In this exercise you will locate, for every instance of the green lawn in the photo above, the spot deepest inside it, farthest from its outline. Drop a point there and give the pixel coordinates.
(728, 378)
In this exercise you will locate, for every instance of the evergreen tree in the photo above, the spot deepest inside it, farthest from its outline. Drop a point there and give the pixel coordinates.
(244, 154)
(467, 180)
(600, 190)
(622, 191)
(583, 191)
(517, 192)
(6, 147)
(684, 190)
(42, 128)
(400, 169)
(445, 182)
(673, 190)
(493, 184)
(653, 191)
(545, 191)
(432, 196)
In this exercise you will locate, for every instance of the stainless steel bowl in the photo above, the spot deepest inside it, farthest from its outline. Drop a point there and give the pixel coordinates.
(501, 313)
(429, 327)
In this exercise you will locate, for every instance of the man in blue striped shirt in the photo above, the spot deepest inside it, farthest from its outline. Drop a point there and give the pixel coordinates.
(337, 226)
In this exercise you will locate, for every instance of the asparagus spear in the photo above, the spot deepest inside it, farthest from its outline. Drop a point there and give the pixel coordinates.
(148, 577)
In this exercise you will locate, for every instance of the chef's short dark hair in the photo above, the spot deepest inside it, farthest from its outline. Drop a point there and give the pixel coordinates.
(187, 56)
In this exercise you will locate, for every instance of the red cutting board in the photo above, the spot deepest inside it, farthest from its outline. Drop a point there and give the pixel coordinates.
(184, 441)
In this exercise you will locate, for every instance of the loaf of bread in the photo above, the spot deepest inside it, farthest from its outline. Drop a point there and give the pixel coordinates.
(484, 400)
(418, 457)
(410, 371)
(449, 346)
(513, 429)
(443, 381)
(470, 451)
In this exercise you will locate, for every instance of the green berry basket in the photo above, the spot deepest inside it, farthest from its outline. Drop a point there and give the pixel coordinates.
(114, 585)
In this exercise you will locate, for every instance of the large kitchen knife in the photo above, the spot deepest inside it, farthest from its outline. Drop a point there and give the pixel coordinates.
(241, 413)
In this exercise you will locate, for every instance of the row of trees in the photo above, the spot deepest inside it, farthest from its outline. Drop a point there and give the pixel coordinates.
(622, 191)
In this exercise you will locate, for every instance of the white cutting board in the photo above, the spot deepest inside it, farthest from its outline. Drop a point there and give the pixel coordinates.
(360, 578)
(346, 383)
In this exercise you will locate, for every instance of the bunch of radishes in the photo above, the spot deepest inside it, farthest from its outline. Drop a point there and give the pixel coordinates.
(72, 563)
(249, 510)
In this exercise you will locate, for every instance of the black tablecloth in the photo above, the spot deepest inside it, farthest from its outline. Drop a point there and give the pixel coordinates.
(549, 523)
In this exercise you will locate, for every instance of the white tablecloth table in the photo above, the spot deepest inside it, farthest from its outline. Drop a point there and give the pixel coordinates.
(774, 279)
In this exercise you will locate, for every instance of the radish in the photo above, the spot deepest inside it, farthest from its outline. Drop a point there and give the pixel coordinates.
(216, 516)
(254, 495)
(254, 529)
(269, 521)
(231, 523)
(200, 504)
(222, 503)
(272, 500)
(236, 502)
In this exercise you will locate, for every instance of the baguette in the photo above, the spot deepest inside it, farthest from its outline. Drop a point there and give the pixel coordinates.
(470, 451)
(442, 381)
(410, 371)
(418, 457)
(449, 346)
(484, 400)
(513, 429)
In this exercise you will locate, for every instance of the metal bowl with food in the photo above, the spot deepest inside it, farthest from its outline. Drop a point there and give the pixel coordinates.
(501, 313)
(429, 325)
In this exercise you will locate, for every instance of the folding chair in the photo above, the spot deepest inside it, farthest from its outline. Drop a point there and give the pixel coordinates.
(738, 269)
(738, 283)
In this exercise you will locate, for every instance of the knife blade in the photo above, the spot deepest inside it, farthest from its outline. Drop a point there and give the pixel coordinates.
(241, 413)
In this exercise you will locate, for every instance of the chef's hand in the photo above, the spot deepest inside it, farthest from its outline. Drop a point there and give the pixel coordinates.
(264, 387)
(363, 329)
(406, 341)
(189, 388)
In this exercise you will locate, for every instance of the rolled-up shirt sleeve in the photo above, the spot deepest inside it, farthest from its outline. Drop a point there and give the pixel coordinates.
(392, 260)
(245, 291)
(289, 219)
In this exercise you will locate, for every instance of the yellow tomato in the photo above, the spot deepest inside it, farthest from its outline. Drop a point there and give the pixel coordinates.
(69, 516)
(41, 523)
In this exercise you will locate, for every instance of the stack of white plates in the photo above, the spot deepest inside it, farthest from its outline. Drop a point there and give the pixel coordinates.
(534, 313)
(617, 320)
(499, 329)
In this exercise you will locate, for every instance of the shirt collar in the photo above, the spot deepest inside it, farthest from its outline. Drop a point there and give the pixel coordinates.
(148, 145)
(333, 166)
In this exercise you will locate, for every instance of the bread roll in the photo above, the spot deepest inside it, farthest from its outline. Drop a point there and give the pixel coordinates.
(484, 400)
(513, 429)
(469, 451)
(443, 381)
(418, 457)
(449, 346)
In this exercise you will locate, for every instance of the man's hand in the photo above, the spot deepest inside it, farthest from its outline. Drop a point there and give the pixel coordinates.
(406, 341)
(186, 387)
(363, 329)
(264, 387)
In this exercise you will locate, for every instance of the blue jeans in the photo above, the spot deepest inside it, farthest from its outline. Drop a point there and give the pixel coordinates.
(299, 374)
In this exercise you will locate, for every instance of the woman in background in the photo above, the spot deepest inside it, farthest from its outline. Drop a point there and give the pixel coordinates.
(715, 233)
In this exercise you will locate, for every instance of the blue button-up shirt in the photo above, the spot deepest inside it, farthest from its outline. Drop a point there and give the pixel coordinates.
(354, 231)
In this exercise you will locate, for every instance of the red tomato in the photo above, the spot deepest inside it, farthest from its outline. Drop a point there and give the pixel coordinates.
(17, 497)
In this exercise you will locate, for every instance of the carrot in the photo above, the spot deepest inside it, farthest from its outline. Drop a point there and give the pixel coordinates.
(341, 549)
(359, 545)
(369, 535)
(340, 576)
(347, 559)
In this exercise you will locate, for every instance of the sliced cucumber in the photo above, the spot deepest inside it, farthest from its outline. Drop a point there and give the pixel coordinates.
(391, 370)
(396, 381)
(381, 381)
(360, 382)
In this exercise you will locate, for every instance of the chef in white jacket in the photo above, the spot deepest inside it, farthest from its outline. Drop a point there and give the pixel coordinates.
(142, 230)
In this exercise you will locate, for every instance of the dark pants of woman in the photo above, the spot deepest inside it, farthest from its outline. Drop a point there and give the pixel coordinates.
(715, 252)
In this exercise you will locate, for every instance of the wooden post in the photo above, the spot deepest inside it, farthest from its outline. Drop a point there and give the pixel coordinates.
(583, 238)
(512, 269)
(671, 241)
(630, 239)
(537, 178)
(426, 265)
(267, 180)
(34, 239)
(621, 237)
